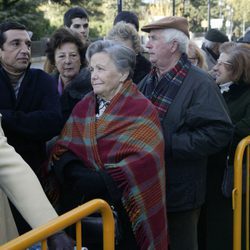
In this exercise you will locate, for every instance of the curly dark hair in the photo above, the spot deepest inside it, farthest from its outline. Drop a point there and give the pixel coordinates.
(62, 36)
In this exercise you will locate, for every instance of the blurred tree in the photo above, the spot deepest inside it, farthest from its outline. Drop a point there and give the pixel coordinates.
(240, 14)
(42, 17)
(25, 12)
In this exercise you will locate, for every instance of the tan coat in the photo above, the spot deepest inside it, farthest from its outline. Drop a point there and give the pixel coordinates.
(22, 187)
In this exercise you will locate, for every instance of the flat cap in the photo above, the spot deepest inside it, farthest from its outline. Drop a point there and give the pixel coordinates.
(217, 36)
(171, 22)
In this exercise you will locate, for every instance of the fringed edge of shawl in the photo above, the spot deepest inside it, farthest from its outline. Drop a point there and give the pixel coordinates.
(131, 207)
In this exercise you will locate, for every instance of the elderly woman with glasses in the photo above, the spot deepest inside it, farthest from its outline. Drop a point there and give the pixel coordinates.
(232, 73)
(113, 139)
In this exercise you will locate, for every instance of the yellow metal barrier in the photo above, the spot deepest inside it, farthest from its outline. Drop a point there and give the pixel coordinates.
(74, 216)
(243, 146)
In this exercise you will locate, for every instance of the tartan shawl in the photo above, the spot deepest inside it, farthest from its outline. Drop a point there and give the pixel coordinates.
(127, 142)
(162, 92)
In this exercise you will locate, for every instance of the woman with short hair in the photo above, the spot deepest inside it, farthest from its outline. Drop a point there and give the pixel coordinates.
(115, 132)
(232, 73)
(66, 51)
(126, 34)
(196, 56)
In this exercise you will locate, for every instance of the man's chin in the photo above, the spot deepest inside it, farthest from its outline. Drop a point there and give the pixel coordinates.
(22, 67)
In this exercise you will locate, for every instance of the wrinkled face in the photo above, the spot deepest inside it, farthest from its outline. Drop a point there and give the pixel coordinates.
(158, 48)
(222, 69)
(16, 52)
(106, 80)
(81, 26)
(67, 60)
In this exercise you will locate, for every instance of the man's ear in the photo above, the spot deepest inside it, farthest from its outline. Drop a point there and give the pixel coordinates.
(174, 46)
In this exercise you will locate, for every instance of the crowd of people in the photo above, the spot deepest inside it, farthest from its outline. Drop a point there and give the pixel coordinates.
(159, 130)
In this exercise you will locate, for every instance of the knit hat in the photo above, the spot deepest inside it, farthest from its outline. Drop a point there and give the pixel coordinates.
(217, 36)
(171, 22)
(127, 17)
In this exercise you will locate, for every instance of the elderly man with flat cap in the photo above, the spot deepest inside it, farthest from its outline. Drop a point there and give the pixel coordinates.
(194, 121)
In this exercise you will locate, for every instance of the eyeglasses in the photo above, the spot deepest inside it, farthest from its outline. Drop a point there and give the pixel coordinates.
(219, 63)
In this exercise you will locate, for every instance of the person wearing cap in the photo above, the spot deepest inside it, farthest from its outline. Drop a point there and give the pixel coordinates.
(211, 44)
(194, 121)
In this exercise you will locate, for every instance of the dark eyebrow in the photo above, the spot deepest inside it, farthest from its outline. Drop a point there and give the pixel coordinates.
(15, 40)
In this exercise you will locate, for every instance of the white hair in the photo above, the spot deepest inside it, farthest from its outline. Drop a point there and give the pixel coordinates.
(177, 35)
(209, 44)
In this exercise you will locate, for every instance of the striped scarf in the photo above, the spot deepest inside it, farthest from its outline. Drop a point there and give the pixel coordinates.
(162, 91)
(127, 142)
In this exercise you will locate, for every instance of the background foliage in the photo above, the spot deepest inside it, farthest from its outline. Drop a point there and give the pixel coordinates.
(43, 17)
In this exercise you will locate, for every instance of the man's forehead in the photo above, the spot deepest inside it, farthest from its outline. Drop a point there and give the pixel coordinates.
(79, 20)
(156, 32)
(17, 35)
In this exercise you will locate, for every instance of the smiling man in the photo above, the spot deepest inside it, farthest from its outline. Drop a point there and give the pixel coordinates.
(29, 102)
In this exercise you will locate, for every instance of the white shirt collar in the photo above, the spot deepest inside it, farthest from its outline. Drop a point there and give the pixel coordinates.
(225, 87)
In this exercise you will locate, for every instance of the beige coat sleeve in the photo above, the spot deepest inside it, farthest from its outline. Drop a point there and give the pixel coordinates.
(8, 230)
(22, 187)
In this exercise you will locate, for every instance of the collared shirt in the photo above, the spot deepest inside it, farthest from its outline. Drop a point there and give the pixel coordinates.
(101, 106)
(225, 87)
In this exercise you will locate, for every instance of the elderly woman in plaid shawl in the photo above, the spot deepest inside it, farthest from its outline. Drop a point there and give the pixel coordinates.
(115, 130)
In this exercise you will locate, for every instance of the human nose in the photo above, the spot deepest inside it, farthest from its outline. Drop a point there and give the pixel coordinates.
(215, 67)
(93, 75)
(25, 48)
(67, 59)
(148, 44)
(82, 29)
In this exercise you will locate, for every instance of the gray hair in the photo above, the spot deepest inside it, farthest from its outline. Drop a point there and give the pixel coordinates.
(209, 44)
(125, 31)
(177, 35)
(123, 57)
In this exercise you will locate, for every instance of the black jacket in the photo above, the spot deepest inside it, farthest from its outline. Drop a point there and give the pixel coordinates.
(33, 117)
(195, 126)
(74, 92)
(142, 68)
